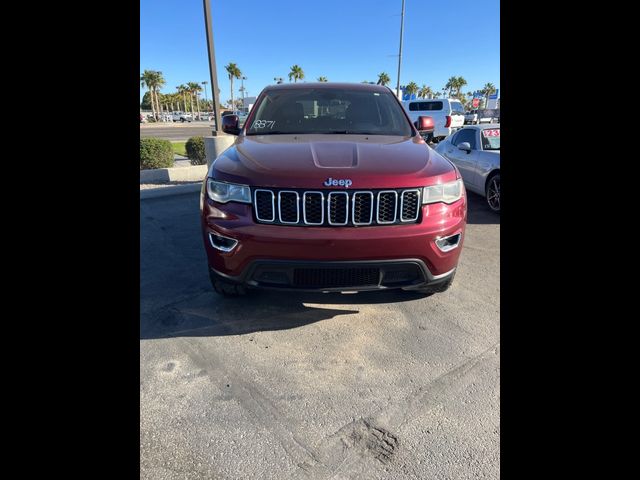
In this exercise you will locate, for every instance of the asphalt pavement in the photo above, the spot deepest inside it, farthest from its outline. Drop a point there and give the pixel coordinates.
(292, 385)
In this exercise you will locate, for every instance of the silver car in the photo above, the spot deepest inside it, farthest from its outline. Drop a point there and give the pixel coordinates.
(475, 150)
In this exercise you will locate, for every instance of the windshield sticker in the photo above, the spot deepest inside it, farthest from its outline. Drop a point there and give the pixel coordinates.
(263, 124)
(494, 132)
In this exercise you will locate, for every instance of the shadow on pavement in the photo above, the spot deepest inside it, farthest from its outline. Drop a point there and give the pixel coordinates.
(478, 212)
(176, 297)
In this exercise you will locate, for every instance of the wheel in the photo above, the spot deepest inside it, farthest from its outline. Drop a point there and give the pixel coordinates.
(492, 192)
(437, 288)
(226, 289)
(182, 120)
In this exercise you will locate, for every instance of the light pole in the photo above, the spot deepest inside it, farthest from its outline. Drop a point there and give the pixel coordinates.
(206, 99)
(208, 25)
(400, 53)
(242, 79)
(278, 79)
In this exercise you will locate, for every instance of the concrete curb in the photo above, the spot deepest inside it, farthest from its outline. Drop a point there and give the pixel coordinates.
(167, 191)
(175, 174)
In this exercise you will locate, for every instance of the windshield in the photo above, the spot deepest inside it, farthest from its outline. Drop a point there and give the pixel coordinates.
(491, 139)
(457, 108)
(329, 111)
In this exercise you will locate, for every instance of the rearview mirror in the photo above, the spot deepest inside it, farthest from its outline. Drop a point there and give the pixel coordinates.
(230, 124)
(464, 146)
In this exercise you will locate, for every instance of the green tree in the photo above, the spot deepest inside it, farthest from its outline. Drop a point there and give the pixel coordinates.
(154, 81)
(234, 72)
(411, 88)
(323, 79)
(145, 104)
(425, 92)
(296, 73)
(383, 79)
(451, 85)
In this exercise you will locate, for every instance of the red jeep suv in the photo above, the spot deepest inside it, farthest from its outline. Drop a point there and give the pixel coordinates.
(330, 187)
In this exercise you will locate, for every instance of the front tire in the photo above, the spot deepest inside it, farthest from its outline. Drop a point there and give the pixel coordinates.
(492, 192)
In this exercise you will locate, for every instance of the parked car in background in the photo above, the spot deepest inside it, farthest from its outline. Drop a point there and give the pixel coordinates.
(143, 119)
(182, 117)
(471, 118)
(475, 150)
(489, 116)
(447, 114)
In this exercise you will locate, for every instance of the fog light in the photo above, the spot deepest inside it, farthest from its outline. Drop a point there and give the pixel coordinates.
(446, 244)
(224, 244)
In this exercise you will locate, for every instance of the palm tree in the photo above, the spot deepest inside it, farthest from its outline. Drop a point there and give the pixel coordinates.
(158, 82)
(425, 92)
(147, 80)
(296, 73)
(488, 90)
(383, 79)
(234, 72)
(451, 85)
(195, 88)
(460, 82)
(322, 79)
(182, 89)
(411, 88)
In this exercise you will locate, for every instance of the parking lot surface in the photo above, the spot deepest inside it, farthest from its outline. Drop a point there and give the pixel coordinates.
(292, 385)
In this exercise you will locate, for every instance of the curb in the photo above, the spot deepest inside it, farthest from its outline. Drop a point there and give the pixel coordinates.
(193, 173)
(168, 191)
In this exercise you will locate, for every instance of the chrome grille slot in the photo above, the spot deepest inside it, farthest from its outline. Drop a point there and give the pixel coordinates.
(264, 205)
(288, 206)
(410, 205)
(362, 208)
(338, 205)
(387, 206)
(333, 208)
(313, 208)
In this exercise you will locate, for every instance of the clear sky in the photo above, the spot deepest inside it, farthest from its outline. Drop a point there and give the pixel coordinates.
(343, 40)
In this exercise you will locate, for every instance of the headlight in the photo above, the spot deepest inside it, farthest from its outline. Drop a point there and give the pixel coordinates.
(445, 192)
(228, 192)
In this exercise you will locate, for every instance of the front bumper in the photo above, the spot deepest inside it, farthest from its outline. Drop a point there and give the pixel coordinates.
(291, 254)
(317, 276)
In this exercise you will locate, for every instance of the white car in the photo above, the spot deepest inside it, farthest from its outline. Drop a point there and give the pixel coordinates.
(471, 118)
(447, 114)
(488, 116)
(181, 117)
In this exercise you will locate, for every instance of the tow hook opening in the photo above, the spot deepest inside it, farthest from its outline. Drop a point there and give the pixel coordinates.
(446, 244)
(222, 243)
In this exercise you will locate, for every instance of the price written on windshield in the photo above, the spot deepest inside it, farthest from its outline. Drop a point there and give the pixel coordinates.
(491, 133)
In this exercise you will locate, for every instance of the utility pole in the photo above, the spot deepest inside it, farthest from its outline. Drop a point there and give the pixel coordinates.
(400, 53)
(212, 67)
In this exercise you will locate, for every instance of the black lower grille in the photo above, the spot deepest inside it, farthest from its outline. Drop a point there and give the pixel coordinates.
(335, 277)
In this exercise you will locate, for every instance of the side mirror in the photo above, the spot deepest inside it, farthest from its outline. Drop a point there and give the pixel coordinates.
(230, 124)
(464, 146)
(425, 124)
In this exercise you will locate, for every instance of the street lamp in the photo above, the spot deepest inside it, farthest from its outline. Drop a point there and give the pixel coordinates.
(278, 79)
(212, 67)
(206, 99)
(242, 79)
(400, 52)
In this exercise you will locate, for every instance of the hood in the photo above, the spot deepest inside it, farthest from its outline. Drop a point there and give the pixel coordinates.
(308, 161)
